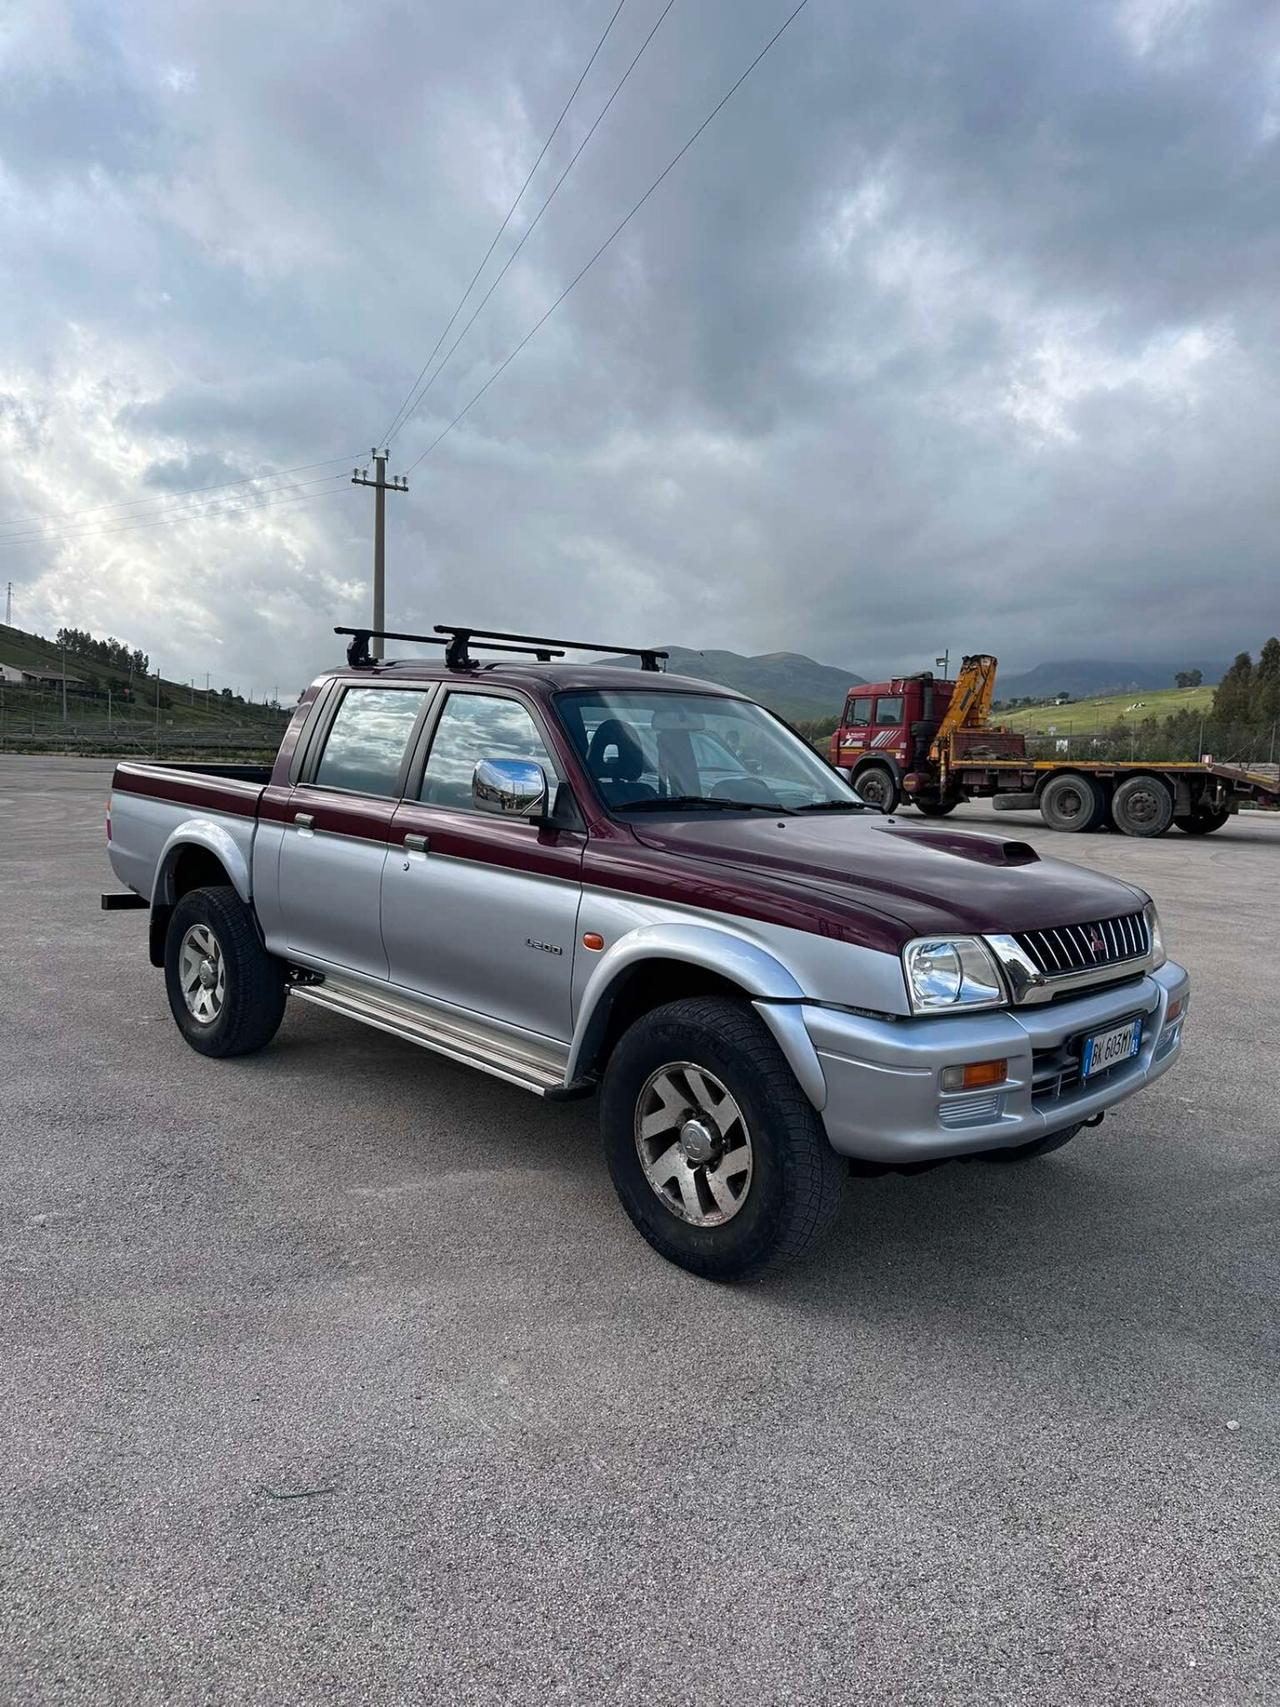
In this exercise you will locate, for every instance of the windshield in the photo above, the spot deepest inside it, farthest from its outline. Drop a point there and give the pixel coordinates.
(677, 752)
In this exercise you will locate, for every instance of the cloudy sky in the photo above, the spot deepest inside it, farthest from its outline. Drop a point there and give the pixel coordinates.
(958, 326)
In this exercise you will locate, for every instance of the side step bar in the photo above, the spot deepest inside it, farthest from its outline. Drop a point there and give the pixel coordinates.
(518, 1061)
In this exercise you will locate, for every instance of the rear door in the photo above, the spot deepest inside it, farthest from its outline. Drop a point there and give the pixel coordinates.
(337, 819)
(481, 911)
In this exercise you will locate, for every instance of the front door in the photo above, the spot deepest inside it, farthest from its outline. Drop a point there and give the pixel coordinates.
(480, 911)
(336, 824)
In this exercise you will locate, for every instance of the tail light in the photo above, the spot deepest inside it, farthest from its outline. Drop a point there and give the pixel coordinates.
(108, 817)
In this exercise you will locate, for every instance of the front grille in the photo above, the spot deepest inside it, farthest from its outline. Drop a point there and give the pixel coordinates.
(1085, 948)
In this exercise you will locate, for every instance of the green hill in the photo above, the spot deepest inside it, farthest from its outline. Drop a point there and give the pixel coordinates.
(1088, 716)
(109, 710)
(787, 682)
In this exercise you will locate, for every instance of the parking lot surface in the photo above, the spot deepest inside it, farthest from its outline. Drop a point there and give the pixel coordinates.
(338, 1373)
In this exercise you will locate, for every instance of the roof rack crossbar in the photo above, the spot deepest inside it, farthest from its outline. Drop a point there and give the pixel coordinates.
(460, 637)
(358, 655)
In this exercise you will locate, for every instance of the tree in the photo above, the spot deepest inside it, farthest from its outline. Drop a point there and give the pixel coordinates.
(1267, 683)
(1233, 698)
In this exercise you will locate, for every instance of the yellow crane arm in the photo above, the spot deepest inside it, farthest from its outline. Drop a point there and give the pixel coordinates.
(970, 706)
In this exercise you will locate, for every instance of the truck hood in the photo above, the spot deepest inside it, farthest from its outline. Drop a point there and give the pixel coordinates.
(926, 879)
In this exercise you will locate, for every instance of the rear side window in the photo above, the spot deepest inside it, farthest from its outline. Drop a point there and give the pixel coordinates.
(368, 740)
(889, 711)
(857, 712)
(475, 726)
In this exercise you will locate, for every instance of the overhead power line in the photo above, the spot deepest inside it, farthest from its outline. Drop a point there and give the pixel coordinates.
(162, 498)
(617, 230)
(213, 512)
(532, 226)
(399, 417)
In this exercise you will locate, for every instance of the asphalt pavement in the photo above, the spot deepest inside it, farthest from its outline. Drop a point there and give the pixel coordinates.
(338, 1373)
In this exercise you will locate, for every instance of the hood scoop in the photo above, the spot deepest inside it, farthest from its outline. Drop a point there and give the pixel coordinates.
(984, 850)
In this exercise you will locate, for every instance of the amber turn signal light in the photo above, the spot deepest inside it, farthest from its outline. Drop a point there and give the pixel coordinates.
(976, 1075)
(592, 939)
(1173, 1011)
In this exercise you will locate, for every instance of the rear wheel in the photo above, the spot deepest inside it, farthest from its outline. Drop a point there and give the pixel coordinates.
(878, 787)
(1142, 806)
(1072, 802)
(1200, 823)
(225, 991)
(720, 1159)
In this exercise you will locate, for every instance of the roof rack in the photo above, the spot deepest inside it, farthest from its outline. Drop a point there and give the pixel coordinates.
(459, 639)
(358, 655)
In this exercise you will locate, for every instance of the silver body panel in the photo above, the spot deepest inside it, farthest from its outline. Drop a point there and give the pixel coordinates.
(148, 834)
(483, 938)
(330, 898)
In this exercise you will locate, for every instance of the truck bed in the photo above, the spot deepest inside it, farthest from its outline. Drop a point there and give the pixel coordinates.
(151, 800)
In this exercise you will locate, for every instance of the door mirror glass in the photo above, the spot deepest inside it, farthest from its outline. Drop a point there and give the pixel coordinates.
(512, 788)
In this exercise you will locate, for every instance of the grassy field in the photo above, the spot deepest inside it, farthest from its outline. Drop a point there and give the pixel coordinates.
(120, 714)
(1088, 716)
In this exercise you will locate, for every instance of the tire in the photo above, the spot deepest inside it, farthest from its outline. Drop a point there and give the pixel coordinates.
(238, 1003)
(1072, 802)
(1200, 823)
(1029, 1152)
(936, 808)
(1142, 806)
(774, 1209)
(878, 787)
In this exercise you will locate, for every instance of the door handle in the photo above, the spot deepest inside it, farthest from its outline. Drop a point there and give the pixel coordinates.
(304, 820)
(415, 844)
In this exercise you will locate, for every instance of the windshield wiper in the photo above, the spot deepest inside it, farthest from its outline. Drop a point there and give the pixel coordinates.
(710, 803)
(834, 806)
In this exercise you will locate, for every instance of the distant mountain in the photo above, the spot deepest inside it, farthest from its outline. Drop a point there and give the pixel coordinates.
(787, 682)
(1085, 678)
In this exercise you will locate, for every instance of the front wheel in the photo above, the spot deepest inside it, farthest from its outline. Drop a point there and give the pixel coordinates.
(720, 1159)
(936, 808)
(225, 991)
(878, 787)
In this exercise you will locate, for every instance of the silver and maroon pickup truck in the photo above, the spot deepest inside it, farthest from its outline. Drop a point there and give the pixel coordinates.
(588, 878)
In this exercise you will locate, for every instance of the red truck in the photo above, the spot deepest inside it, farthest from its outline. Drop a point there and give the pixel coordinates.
(931, 742)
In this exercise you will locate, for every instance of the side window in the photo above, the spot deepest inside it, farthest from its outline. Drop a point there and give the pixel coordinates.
(889, 711)
(475, 726)
(368, 739)
(857, 714)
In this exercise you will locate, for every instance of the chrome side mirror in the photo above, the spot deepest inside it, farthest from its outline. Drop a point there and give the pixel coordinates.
(512, 788)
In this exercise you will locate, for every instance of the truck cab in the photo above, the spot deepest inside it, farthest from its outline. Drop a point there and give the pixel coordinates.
(885, 732)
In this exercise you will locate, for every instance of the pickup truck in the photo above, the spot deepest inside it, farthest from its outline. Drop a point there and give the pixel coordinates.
(588, 879)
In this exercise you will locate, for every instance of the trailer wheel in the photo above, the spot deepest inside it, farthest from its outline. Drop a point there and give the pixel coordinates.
(1142, 806)
(936, 808)
(1072, 802)
(1201, 823)
(878, 787)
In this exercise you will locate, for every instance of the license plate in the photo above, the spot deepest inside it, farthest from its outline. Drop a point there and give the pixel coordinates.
(1109, 1048)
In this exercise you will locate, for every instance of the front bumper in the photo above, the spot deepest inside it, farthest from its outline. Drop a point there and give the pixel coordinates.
(882, 1098)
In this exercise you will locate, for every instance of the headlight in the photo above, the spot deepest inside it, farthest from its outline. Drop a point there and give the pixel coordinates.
(1158, 955)
(950, 972)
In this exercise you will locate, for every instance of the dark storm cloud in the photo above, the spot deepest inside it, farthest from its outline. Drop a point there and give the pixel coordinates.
(958, 326)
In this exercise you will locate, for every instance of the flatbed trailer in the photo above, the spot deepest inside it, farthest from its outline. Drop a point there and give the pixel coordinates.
(1141, 797)
(931, 742)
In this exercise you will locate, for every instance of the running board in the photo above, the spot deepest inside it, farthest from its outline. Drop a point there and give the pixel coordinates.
(520, 1062)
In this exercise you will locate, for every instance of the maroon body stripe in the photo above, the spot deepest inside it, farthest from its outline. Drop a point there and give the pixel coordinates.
(214, 794)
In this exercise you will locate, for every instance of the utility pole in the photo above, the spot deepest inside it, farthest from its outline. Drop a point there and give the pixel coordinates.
(64, 684)
(380, 489)
(8, 606)
(944, 664)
